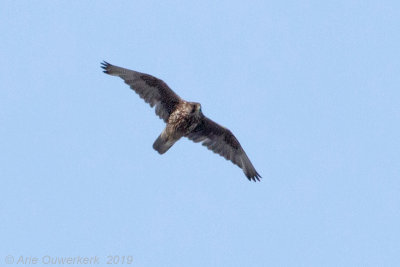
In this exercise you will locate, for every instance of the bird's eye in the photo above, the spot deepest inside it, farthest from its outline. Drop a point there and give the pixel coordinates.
(193, 109)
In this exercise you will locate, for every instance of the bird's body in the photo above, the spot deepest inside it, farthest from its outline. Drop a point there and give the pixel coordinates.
(183, 119)
(180, 123)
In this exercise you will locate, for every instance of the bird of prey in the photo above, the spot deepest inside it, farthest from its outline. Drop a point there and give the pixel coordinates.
(183, 119)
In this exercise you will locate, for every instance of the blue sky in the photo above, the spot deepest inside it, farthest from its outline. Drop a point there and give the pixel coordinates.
(310, 89)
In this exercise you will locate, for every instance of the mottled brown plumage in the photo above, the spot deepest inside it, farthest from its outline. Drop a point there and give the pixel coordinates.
(183, 119)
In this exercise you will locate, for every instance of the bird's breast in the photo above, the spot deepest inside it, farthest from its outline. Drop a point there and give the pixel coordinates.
(181, 120)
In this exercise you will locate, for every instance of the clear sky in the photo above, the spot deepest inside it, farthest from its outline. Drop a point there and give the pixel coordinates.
(310, 88)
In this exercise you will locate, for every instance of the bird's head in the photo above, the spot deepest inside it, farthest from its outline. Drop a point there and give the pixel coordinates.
(196, 108)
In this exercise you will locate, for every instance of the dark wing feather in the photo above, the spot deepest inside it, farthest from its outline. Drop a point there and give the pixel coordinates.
(221, 140)
(154, 91)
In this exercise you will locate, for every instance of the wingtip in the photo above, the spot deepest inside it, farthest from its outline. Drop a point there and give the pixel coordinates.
(105, 65)
(256, 177)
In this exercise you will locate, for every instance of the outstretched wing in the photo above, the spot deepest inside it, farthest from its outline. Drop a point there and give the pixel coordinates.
(221, 140)
(154, 91)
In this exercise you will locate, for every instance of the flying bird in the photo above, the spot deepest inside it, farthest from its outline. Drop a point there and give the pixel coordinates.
(183, 119)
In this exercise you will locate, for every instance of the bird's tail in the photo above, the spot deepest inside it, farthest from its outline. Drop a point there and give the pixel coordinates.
(162, 144)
